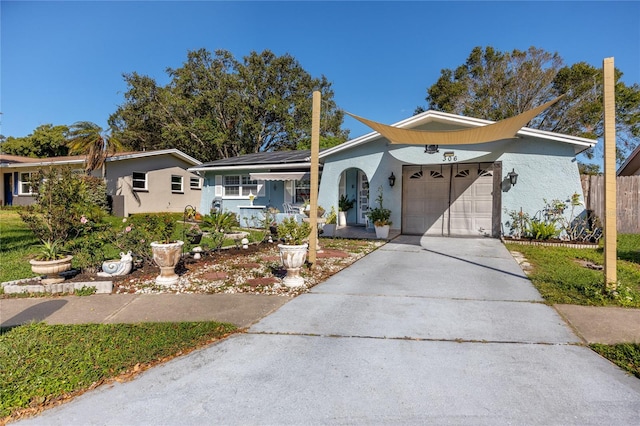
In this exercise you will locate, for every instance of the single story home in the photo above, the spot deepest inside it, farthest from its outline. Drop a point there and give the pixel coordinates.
(631, 166)
(137, 182)
(448, 190)
(249, 184)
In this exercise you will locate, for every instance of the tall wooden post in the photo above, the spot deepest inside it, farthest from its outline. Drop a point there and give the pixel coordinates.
(313, 201)
(610, 232)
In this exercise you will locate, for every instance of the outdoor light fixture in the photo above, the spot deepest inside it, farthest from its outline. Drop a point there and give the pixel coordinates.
(392, 179)
(513, 177)
(431, 149)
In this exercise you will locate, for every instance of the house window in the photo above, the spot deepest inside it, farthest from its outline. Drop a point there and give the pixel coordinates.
(302, 191)
(25, 183)
(176, 184)
(195, 183)
(249, 186)
(139, 181)
(240, 186)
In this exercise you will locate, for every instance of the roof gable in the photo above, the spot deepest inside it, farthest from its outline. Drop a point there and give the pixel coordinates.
(20, 161)
(631, 165)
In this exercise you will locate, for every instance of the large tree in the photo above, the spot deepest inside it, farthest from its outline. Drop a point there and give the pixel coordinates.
(216, 106)
(45, 141)
(497, 85)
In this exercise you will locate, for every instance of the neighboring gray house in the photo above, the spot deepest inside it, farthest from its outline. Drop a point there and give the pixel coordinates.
(453, 190)
(137, 182)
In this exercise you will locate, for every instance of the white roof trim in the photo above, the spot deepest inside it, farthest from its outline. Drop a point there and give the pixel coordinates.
(443, 117)
(115, 157)
(249, 167)
(171, 151)
(42, 163)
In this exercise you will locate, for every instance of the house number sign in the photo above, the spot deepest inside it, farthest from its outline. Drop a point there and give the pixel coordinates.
(449, 156)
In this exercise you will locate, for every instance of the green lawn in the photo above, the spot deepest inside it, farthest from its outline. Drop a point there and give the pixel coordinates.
(560, 278)
(17, 244)
(44, 363)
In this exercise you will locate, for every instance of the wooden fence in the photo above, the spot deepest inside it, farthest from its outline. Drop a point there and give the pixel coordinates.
(627, 200)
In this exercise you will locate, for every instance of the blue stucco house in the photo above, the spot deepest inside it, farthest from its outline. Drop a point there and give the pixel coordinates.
(452, 190)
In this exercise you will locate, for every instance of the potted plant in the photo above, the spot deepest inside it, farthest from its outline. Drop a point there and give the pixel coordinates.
(166, 250)
(329, 228)
(344, 205)
(194, 234)
(306, 208)
(51, 261)
(293, 250)
(380, 217)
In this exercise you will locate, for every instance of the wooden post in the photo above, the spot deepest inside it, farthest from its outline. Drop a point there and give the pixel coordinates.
(313, 201)
(610, 251)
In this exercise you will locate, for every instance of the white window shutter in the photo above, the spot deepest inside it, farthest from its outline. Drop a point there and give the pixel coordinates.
(218, 187)
(261, 187)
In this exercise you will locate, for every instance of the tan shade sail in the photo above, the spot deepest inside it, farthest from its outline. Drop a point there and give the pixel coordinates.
(504, 129)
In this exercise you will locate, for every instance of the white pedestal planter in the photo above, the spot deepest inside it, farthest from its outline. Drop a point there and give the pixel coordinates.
(166, 257)
(293, 257)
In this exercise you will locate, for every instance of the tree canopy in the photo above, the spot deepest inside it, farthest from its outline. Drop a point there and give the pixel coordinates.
(497, 85)
(216, 106)
(45, 141)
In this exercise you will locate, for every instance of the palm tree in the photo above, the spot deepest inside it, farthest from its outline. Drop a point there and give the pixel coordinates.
(88, 138)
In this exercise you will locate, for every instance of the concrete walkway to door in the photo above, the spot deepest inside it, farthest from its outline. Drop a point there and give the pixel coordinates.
(421, 331)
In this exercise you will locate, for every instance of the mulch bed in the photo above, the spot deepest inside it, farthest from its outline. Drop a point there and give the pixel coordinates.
(256, 269)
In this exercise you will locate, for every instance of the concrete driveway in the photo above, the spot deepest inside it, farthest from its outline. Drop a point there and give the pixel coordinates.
(422, 331)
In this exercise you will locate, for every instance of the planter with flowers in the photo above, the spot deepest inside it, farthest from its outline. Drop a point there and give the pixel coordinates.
(293, 251)
(380, 217)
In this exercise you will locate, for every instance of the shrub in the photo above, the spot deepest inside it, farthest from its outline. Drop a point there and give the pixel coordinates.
(62, 199)
(292, 232)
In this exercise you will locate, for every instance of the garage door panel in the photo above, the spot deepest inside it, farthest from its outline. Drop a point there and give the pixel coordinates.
(448, 200)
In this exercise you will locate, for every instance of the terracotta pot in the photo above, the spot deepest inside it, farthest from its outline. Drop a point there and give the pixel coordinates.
(167, 257)
(51, 269)
(293, 257)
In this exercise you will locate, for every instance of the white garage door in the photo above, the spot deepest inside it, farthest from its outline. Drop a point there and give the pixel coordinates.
(452, 199)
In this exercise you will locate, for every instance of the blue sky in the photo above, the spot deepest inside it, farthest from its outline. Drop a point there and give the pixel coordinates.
(62, 62)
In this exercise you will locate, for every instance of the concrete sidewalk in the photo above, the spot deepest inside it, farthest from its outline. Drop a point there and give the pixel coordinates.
(431, 331)
(241, 310)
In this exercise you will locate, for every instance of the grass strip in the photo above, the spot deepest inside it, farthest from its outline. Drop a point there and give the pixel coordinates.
(560, 277)
(42, 363)
(624, 355)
